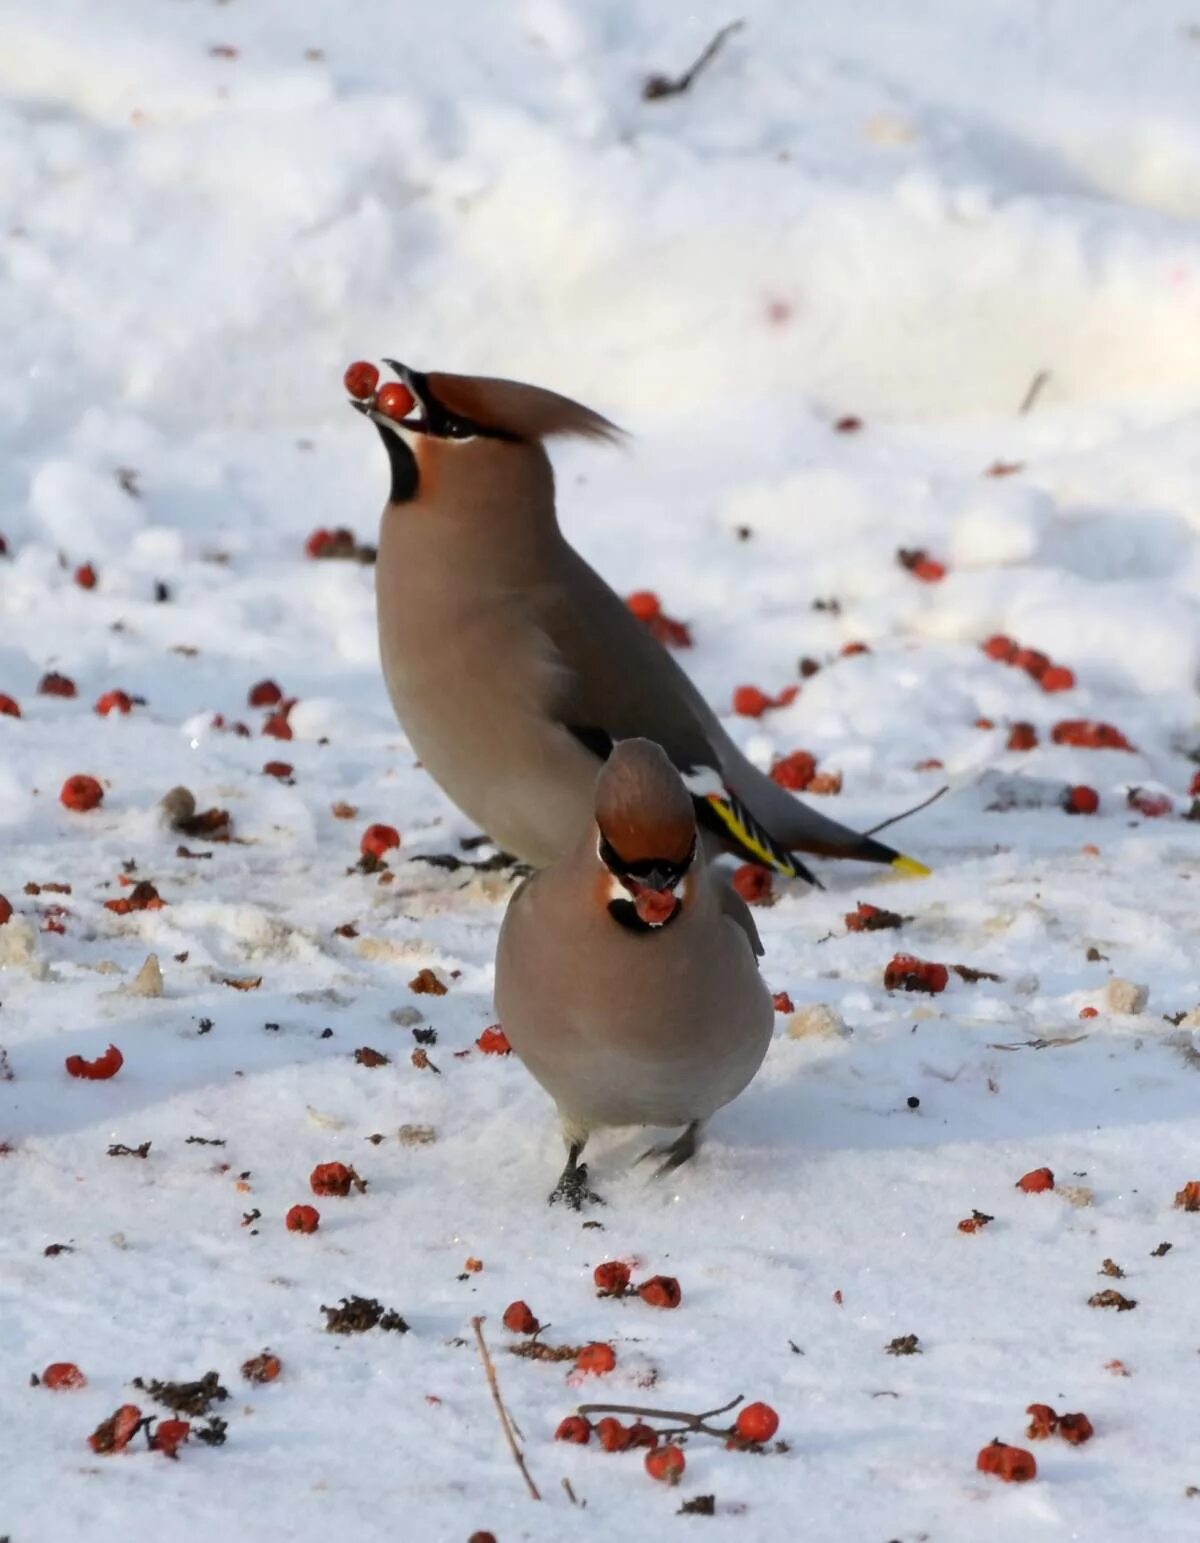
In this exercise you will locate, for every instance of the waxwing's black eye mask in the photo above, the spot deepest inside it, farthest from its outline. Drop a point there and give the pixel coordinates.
(653, 872)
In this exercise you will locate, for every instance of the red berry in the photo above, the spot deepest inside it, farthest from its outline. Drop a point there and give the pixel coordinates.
(303, 1218)
(265, 693)
(1035, 1181)
(9, 707)
(928, 570)
(81, 793)
(1000, 648)
(611, 1434)
(318, 542)
(756, 1422)
(850, 649)
(99, 1070)
(1152, 805)
(754, 883)
(574, 1428)
(6, 910)
(783, 1003)
(378, 839)
(331, 1179)
(611, 1278)
(1075, 1428)
(1193, 791)
(361, 379)
(1081, 800)
(395, 401)
(114, 701)
(1022, 736)
(645, 604)
(795, 771)
(1010, 1464)
(596, 1357)
(1032, 661)
(642, 1435)
(519, 1318)
(169, 1436)
(666, 1464)
(848, 425)
(750, 702)
(54, 684)
(1089, 1012)
(1042, 1422)
(85, 576)
(905, 972)
(1057, 678)
(63, 1374)
(281, 769)
(276, 724)
(494, 1041)
(115, 1433)
(660, 1291)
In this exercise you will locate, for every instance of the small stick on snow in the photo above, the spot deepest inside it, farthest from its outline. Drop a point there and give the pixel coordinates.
(907, 813)
(689, 1422)
(571, 1495)
(658, 86)
(505, 1425)
(1036, 386)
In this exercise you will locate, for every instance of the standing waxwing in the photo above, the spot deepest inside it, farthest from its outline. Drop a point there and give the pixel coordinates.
(627, 972)
(513, 667)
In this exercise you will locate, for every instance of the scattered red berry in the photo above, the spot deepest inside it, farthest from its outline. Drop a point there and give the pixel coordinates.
(114, 702)
(1042, 1422)
(1035, 1181)
(611, 1278)
(115, 1433)
(750, 702)
(1089, 1012)
(1057, 678)
(1075, 1428)
(1000, 648)
(642, 1435)
(596, 1357)
(644, 604)
(378, 839)
(666, 1464)
(754, 883)
(1022, 736)
(494, 1041)
(850, 649)
(262, 1368)
(99, 1070)
(319, 542)
(756, 1422)
(1193, 791)
(331, 1179)
(264, 694)
(81, 793)
(795, 771)
(1010, 1464)
(574, 1428)
(361, 379)
(848, 425)
(395, 401)
(519, 1319)
(1088, 734)
(647, 607)
(984, 723)
(6, 910)
(1152, 805)
(85, 576)
(276, 725)
(54, 684)
(63, 1374)
(9, 706)
(169, 1436)
(1032, 661)
(1081, 800)
(783, 1003)
(871, 918)
(284, 770)
(1188, 1198)
(611, 1434)
(660, 1291)
(304, 1218)
(905, 972)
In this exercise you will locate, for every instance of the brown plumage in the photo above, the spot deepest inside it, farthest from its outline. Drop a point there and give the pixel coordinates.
(529, 413)
(642, 808)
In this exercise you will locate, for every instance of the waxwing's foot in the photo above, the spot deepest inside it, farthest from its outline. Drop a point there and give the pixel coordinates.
(675, 1153)
(572, 1187)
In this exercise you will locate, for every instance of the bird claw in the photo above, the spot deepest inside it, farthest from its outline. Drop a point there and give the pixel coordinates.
(572, 1189)
(674, 1153)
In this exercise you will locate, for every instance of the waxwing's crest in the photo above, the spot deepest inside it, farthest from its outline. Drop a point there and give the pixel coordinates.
(642, 807)
(518, 411)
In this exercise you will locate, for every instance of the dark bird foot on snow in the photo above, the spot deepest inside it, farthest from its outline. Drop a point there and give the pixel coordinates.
(676, 1153)
(572, 1187)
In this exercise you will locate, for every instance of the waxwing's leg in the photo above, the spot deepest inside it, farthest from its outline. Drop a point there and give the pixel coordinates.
(677, 1152)
(572, 1187)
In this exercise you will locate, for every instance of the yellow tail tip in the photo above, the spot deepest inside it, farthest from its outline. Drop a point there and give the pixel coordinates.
(910, 867)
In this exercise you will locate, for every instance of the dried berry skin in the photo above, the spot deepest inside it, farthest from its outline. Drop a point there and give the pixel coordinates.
(1188, 1198)
(519, 1318)
(262, 1368)
(54, 684)
(9, 706)
(100, 1070)
(378, 839)
(494, 1041)
(611, 1434)
(1036, 1181)
(642, 1435)
(63, 1374)
(1042, 1422)
(264, 693)
(115, 1433)
(611, 1278)
(169, 1436)
(6, 910)
(114, 702)
(596, 1357)
(905, 972)
(574, 1428)
(660, 1291)
(666, 1464)
(1022, 736)
(1075, 1428)
(795, 771)
(756, 1422)
(754, 883)
(303, 1218)
(1012, 1465)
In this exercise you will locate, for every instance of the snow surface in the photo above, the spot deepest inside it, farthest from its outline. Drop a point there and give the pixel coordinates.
(899, 211)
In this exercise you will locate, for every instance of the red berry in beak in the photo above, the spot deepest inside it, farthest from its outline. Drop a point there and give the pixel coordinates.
(361, 379)
(395, 401)
(655, 906)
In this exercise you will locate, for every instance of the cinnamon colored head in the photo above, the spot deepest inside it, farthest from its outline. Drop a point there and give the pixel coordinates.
(643, 810)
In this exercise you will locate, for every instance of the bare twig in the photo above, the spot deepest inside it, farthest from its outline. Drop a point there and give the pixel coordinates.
(505, 1425)
(658, 86)
(908, 813)
(571, 1495)
(1036, 386)
(688, 1422)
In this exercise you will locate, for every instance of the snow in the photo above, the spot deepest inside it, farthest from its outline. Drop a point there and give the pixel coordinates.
(902, 213)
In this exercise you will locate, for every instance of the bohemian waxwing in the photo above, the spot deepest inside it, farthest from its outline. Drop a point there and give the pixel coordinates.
(627, 972)
(512, 665)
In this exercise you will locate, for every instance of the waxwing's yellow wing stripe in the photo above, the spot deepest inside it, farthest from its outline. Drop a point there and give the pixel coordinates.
(750, 836)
